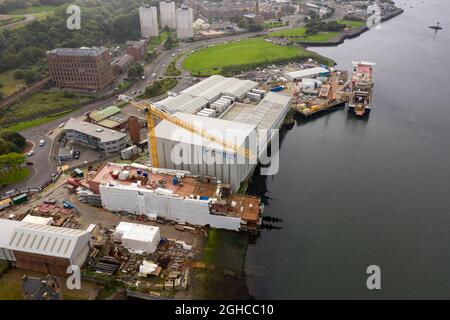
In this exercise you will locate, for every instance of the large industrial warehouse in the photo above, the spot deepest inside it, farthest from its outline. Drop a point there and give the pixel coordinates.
(197, 97)
(43, 248)
(215, 104)
(192, 158)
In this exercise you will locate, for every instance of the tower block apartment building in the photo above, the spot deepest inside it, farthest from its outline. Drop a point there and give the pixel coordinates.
(84, 68)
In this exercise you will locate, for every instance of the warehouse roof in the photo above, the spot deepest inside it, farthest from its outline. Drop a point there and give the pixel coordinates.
(183, 103)
(265, 115)
(214, 86)
(233, 132)
(48, 240)
(99, 115)
(142, 232)
(105, 135)
(173, 104)
(7, 228)
(268, 114)
(239, 87)
(306, 73)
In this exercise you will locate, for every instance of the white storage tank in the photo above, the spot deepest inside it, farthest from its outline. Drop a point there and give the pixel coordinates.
(124, 175)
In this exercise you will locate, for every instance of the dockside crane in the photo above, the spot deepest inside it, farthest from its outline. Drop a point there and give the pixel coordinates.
(153, 111)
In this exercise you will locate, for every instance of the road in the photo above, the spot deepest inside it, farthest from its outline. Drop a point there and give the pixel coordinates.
(44, 166)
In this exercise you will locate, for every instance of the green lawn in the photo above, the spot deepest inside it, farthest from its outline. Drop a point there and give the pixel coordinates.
(156, 41)
(33, 10)
(252, 51)
(13, 177)
(9, 83)
(172, 70)
(42, 102)
(352, 24)
(298, 34)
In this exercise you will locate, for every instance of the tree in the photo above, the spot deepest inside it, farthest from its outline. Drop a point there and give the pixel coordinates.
(14, 137)
(7, 147)
(18, 74)
(11, 161)
(30, 76)
(168, 44)
(136, 70)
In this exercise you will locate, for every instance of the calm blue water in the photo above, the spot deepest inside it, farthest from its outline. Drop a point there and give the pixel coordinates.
(354, 193)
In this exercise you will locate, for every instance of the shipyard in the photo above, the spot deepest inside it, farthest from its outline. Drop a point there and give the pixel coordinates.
(202, 149)
(144, 218)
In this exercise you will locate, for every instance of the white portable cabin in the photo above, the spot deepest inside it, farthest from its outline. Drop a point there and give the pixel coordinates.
(138, 238)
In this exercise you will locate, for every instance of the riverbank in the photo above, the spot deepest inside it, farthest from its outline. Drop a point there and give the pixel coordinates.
(349, 34)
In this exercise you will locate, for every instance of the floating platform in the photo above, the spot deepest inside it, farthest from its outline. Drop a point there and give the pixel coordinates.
(331, 96)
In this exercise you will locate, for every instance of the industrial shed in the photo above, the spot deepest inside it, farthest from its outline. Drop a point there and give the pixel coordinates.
(171, 137)
(182, 103)
(213, 87)
(99, 115)
(307, 73)
(138, 237)
(7, 228)
(268, 114)
(47, 249)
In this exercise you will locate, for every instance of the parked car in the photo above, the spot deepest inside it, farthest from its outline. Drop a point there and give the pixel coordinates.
(30, 153)
(29, 163)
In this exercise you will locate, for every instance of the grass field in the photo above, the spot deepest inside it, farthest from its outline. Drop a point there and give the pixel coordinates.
(9, 83)
(33, 10)
(252, 51)
(298, 34)
(352, 24)
(42, 102)
(13, 177)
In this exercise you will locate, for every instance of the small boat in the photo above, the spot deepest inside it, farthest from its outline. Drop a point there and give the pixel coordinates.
(436, 27)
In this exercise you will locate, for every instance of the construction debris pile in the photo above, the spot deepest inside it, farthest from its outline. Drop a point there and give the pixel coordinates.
(166, 269)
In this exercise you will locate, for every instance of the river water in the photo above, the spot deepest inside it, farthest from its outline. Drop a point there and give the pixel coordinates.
(355, 193)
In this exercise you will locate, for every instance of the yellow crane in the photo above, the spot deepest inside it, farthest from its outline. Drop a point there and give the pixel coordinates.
(150, 111)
